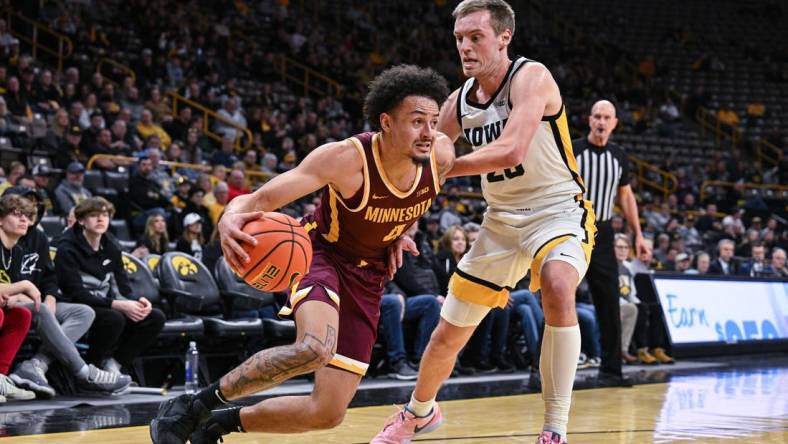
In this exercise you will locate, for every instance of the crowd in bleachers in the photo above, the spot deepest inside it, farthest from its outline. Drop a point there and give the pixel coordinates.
(222, 56)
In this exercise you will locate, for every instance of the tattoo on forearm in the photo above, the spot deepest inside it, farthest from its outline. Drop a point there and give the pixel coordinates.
(271, 367)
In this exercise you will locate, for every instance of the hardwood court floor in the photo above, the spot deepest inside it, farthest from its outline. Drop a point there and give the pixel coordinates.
(710, 408)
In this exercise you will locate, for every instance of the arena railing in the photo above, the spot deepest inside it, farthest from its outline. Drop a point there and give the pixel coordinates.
(667, 184)
(256, 177)
(241, 143)
(116, 69)
(768, 153)
(311, 80)
(747, 186)
(40, 37)
(709, 121)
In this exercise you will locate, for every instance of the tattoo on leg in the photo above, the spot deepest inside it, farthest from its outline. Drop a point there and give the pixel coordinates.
(270, 367)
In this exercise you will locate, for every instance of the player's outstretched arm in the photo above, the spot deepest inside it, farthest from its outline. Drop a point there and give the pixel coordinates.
(533, 94)
(332, 163)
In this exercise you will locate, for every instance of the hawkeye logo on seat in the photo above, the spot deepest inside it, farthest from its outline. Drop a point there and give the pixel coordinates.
(129, 266)
(184, 266)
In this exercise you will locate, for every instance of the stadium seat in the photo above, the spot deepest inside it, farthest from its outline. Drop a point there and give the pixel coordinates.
(243, 297)
(52, 225)
(93, 180)
(144, 285)
(193, 290)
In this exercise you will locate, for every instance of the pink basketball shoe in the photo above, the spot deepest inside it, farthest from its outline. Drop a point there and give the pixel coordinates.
(403, 426)
(550, 438)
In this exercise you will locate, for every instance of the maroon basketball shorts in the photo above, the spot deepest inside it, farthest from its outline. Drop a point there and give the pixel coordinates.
(355, 292)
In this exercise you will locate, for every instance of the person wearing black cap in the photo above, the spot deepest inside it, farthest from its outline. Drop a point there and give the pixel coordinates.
(41, 175)
(70, 150)
(71, 192)
(59, 324)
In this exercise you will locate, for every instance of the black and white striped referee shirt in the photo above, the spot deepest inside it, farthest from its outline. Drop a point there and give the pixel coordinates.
(604, 169)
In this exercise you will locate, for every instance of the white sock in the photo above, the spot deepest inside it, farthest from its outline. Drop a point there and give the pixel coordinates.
(557, 365)
(83, 373)
(420, 408)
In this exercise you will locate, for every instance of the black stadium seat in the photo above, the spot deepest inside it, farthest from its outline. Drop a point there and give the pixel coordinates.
(241, 296)
(193, 290)
(144, 285)
(52, 225)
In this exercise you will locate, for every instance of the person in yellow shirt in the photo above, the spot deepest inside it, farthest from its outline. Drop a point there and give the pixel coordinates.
(147, 127)
(221, 194)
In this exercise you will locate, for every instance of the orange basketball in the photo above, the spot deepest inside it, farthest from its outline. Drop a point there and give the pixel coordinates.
(282, 254)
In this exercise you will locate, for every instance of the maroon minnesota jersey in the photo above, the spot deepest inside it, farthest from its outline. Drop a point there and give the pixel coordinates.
(362, 227)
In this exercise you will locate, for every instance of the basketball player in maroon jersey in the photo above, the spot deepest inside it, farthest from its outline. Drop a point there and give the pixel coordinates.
(375, 185)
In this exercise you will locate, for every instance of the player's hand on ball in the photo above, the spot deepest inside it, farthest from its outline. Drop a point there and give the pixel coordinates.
(404, 243)
(231, 235)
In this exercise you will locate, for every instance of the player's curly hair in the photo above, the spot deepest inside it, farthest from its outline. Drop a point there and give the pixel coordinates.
(393, 85)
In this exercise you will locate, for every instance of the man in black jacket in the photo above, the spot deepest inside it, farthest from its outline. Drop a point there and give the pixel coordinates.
(87, 258)
(145, 194)
(59, 324)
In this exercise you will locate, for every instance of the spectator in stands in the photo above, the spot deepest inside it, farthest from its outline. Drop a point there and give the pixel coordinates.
(230, 113)
(70, 150)
(42, 175)
(289, 161)
(194, 204)
(757, 265)
(178, 127)
(90, 135)
(145, 194)
(59, 324)
(56, 130)
(527, 310)
(192, 148)
(15, 100)
(472, 230)
(627, 296)
(395, 308)
(270, 163)
(158, 106)
(155, 239)
(250, 161)
(182, 187)
(147, 127)
(103, 145)
(221, 195)
(87, 258)
(225, 156)
(744, 249)
(702, 262)
(682, 262)
(14, 325)
(71, 192)
(160, 173)
(778, 263)
(192, 241)
(451, 248)
(122, 140)
(236, 184)
(15, 171)
(724, 264)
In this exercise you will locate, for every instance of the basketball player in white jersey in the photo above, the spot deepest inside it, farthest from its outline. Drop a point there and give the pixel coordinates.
(512, 114)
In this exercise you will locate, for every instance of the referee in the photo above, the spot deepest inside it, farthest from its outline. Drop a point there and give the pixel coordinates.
(605, 171)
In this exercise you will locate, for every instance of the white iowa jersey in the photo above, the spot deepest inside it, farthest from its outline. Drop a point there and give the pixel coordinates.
(549, 173)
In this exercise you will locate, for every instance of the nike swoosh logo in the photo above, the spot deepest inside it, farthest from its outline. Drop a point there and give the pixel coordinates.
(375, 196)
(418, 429)
(563, 254)
(106, 262)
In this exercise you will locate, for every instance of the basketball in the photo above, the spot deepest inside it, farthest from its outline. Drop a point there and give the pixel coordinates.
(282, 254)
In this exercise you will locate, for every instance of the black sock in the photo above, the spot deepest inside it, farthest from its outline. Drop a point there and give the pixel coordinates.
(211, 396)
(229, 419)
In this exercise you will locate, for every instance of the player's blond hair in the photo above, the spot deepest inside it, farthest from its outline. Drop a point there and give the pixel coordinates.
(501, 14)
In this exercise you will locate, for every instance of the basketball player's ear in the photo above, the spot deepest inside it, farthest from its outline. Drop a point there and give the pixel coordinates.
(504, 39)
(385, 122)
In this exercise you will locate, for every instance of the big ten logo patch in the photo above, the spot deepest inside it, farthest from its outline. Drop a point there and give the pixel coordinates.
(270, 272)
(184, 266)
(129, 266)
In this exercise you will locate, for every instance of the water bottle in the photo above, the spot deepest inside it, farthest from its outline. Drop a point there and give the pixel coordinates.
(192, 369)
